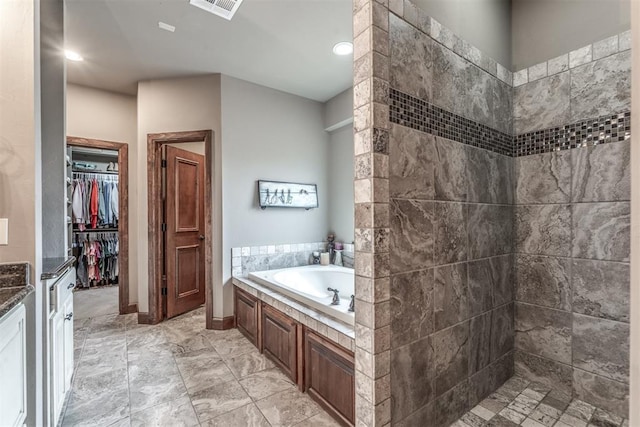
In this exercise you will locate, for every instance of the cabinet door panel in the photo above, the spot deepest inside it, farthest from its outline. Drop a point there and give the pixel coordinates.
(246, 312)
(57, 365)
(279, 340)
(13, 392)
(330, 378)
(68, 342)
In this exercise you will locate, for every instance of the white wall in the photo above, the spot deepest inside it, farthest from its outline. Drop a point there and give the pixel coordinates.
(341, 176)
(21, 173)
(544, 29)
(338, 119)
(174, 105)
(267, 134)
(98, 114)
(485, 24)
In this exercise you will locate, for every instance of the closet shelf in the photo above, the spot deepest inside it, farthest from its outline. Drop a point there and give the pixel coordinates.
(97, 230)
(95, 172)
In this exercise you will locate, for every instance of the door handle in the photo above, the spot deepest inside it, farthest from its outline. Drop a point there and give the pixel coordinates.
(201, 237)
(71, 286)
(68, 316)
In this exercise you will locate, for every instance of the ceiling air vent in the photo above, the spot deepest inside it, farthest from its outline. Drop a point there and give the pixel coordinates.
(223, 8)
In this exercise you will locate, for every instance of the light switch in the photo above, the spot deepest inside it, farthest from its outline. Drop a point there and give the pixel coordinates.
(4, 231)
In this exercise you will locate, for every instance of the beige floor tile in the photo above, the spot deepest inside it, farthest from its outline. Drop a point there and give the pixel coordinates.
(246, 416)
(287, 408)
(265, 383)
(219, 399)
(176, 413)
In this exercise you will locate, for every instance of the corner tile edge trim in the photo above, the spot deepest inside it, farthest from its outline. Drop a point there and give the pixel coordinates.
(575, 58)
(414, 16)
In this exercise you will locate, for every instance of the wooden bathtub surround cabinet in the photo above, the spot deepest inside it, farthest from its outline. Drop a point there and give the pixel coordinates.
(330, 377)
(317, 365)
(247, 309)
(280, 340)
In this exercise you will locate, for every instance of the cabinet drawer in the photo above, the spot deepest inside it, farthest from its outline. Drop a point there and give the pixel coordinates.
(247, 309)
(279, 340)
(62, 289)
(330, 377)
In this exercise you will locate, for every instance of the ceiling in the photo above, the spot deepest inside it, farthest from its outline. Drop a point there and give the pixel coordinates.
(282, 44)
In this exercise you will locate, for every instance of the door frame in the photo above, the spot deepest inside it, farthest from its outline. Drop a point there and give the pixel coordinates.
(154, 201)
(123, 222)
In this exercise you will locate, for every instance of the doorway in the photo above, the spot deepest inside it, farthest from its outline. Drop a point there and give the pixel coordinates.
(105, 163)
(179, 203)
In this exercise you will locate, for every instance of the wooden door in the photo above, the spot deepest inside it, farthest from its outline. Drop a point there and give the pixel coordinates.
(184, 224)
(279, 340)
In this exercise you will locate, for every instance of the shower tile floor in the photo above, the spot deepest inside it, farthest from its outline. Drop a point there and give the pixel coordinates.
(520, 402)
(178, 373)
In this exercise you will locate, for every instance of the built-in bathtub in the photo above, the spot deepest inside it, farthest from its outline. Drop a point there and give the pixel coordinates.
(309, 284)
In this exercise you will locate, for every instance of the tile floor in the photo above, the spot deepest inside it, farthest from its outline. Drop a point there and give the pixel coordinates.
(520, 402)
(178, 374)
(95, 302)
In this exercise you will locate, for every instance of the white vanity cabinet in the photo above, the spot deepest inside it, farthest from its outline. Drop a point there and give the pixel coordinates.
(13, 367)
(60, 341)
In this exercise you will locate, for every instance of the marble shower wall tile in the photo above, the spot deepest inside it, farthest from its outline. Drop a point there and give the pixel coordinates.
(601, 347)
(479, 342)
(602, 392)
(601, 289)
(601, 87)
(411, 241)
(481, 286)
(485, 382)
(502, 331)
(411, 59)
(544, 281)
(450, 170)
(543, 332)
(601, 173)
(451, 299)
(542, 104)
(450, 356)
(489, 177)
(490, 230)
(411, 307)
(552, 374)
(411, 164)
(450, 232)
(543, 178)
(601, 231)
(408, 363)
(452, 405)
(543, 229)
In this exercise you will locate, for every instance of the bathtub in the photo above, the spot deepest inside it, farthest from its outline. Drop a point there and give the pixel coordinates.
(309, 284)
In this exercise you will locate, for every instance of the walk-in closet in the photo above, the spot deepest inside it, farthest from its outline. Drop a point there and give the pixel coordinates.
(95, 200)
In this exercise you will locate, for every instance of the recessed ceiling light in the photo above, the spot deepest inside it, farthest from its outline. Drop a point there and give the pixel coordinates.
(343, 48)
(166, 26)
(72, 56)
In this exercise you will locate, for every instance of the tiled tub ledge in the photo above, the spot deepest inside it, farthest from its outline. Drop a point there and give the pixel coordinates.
(325, 326)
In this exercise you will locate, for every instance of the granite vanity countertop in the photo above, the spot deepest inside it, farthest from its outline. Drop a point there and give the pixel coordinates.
(10, 297)
(53, 268)
(14, 285)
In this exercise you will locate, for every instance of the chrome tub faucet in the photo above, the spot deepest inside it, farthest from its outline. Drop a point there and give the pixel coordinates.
(336, 298)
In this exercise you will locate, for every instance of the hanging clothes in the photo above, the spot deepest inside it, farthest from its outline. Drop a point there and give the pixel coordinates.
(97, 258)
(94, 201)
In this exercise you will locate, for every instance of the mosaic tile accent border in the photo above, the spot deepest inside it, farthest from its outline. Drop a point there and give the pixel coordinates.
(584, 55)
(415, 113)
(602, 130)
